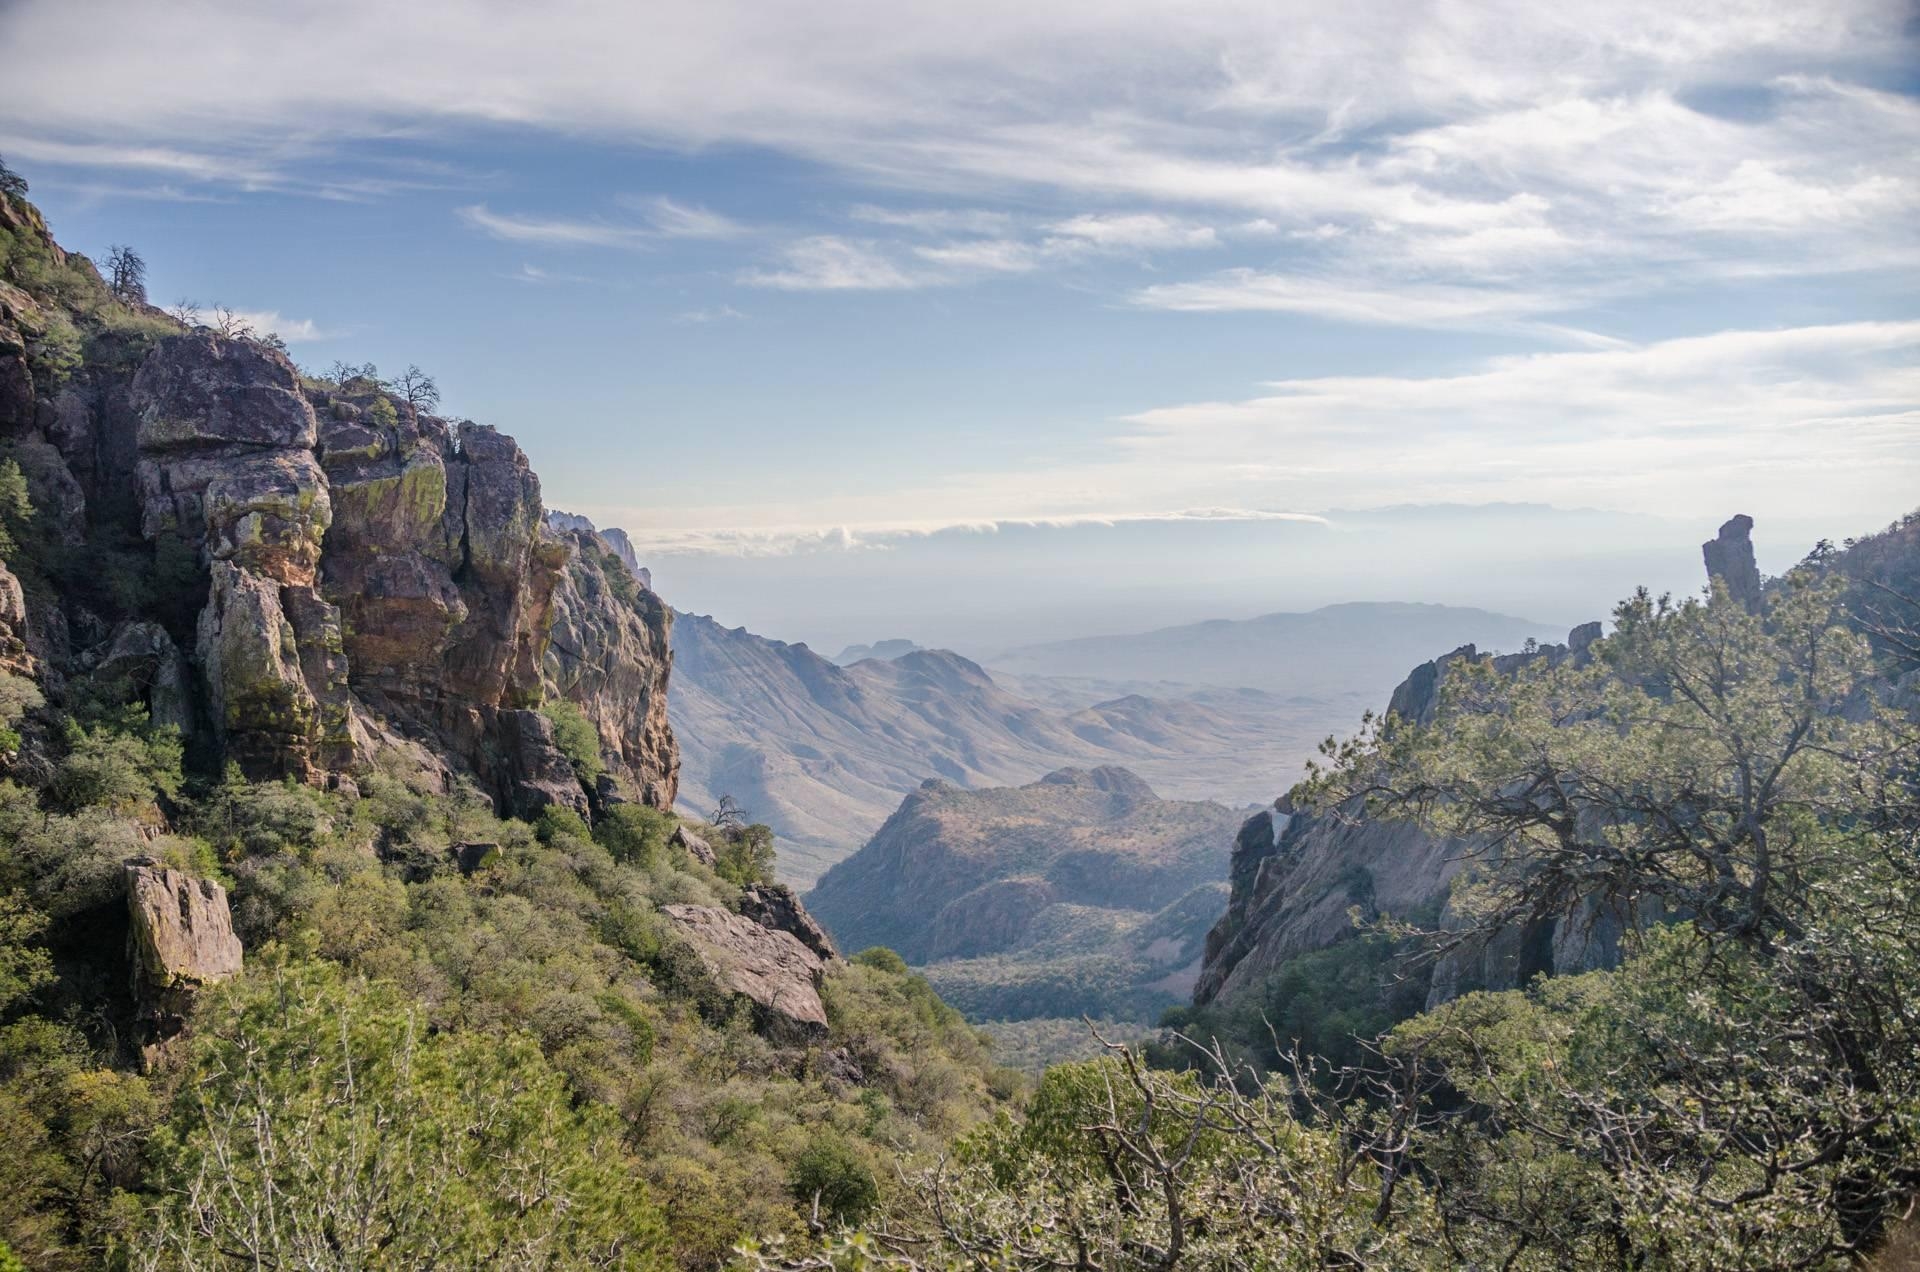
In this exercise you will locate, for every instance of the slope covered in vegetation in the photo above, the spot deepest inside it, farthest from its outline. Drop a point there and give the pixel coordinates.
(455, 1038)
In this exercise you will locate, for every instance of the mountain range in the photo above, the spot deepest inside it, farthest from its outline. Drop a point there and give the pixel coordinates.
(1359, 647)
(823, 752)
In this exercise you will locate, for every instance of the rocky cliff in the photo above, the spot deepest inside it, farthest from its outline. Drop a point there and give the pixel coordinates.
(1298, 878)
(312, 577)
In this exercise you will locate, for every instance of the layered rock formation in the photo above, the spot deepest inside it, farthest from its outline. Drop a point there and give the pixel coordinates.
(609, 653)
(347, 576)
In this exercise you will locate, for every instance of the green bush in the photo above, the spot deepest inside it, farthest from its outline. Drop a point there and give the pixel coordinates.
(635, 834)
(744, 855)
(321, 1122)
(577, 739)
(830, 1175)
(881, 959)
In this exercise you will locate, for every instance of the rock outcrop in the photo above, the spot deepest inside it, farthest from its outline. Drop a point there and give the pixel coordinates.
(1729, 560)
(1298, 879)
(343, 575)
(609, 653)
(769, 967)
(179, 940)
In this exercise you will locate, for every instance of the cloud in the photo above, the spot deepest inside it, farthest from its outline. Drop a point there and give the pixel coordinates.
(1135, 230)
(1355, 301)
(1446, 152)
(663, 218)
(710, 314)
(670, 219)
(1817, 419)
(935, 220)
(552, 232)
(292, 330)
(540, 277)
(877, 537)
(829, 263)
(1809, 417)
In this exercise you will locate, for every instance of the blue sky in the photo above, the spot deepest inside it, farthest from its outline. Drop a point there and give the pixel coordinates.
(785, 290)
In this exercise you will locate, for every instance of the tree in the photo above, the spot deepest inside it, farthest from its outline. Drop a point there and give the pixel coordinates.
(16, 507)
(1745, 1082)
(231, 323)
(184, 311)
(12, 183)
(417, 389)
(126, 275)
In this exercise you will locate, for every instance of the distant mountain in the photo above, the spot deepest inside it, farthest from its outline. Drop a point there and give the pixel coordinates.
(1081, 892)
(824, 753)
(886, 650)
(1362, 647)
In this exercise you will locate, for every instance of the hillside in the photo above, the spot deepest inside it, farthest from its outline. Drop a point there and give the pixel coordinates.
(1362, 647)
(824, 753)
(344, 921)
(1081, 892)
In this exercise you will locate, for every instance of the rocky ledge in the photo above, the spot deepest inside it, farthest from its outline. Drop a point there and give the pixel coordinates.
(350, 577)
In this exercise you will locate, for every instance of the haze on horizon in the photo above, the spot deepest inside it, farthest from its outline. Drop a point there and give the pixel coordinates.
(992, 323)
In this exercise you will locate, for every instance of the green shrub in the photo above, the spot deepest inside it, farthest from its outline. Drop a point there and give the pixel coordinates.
(830, 1175)
(635, 834)
(376, 1141)
(558, 822)
(577, 739)
(881, 959)
(119, 770)
(744, 855)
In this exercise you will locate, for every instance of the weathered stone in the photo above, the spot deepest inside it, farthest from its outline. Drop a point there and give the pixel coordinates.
(610, 653)
(696, 847)
(180, 939)
(149, 666)
(774, 906)
(264, 711)
(1729, 559)
(771, 969)
(198, 390)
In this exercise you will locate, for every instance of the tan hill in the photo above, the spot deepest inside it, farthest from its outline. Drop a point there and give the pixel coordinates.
(1081, 892)
(823, 753)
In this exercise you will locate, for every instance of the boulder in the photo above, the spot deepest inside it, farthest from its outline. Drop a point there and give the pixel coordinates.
(774, 906)
(771, 969)
(697, 848)
(179, 940)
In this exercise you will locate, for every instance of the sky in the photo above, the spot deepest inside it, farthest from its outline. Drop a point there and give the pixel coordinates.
(953, 320)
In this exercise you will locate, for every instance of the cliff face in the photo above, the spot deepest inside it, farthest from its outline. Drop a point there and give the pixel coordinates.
(1295, 876)
(340, 577)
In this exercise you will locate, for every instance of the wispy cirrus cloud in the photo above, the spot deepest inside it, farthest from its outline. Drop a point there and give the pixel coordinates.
(829, 262)
(659, 218)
